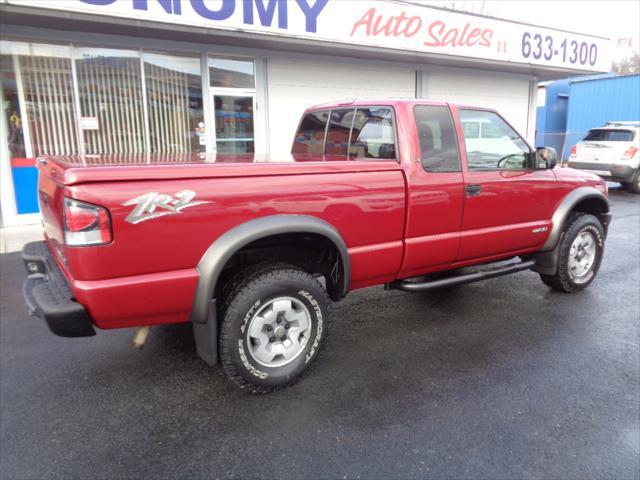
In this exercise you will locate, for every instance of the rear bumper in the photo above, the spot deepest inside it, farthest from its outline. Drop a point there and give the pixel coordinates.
(616, 172)
(47, 294)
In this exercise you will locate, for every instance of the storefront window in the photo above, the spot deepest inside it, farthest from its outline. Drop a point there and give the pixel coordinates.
(110, 88)
(234, 124)
(11, 108)
(34, 124)
(47, 115)
(174, 99)
(233, 93)
(123, 101)
(231, 73)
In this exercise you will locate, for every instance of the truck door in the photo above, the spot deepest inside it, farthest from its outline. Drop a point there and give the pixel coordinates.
(506, 199)
(435, 191)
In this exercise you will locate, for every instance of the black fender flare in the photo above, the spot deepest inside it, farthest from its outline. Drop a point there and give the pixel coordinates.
(547, 257)
(564, 209)
(219, 252)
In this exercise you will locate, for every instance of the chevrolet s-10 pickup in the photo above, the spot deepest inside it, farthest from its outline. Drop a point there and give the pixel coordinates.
(252, 250)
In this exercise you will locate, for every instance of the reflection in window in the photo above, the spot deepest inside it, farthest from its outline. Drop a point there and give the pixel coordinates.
(49, 99)
(174, 99)
(231, 73)
(471, 129)
(234, 124)
(372, 135)
(309, 139)
(497, 146)
(438, 145)
(338, 132)
(110, 87)
(491, 130)
(11, 111)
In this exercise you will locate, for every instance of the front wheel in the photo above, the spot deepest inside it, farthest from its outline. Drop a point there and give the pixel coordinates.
(581, 250)
(274, 322)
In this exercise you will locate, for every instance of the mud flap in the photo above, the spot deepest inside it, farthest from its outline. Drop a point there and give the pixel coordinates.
(206, 336)
(547, 262)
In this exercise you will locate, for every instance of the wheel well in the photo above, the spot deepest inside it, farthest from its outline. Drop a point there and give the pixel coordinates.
(547, 259)
(593, 205)
(312, 252)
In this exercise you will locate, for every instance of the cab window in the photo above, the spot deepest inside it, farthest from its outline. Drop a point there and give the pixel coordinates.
(372, 135)
(438, 146)
(309, 139)
(491, 143)
(338, 132)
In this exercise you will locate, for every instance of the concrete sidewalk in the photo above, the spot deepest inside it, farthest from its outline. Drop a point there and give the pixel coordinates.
(13, 238)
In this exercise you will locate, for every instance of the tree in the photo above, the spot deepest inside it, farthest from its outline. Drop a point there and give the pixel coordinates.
(628, 65)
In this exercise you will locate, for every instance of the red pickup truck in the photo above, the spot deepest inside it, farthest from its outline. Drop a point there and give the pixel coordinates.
(408, 194)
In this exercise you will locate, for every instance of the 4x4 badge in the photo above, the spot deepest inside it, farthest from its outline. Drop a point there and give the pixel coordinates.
(153, 205)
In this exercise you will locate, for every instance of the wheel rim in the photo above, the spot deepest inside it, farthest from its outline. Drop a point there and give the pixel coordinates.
(582, 256)
(279, 331)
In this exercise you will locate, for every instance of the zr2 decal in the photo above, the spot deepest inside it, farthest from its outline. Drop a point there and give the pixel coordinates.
(153, 205)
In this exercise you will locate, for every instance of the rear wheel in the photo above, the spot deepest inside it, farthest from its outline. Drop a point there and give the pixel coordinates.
(634, 185)
(581, 250)
(274, 322)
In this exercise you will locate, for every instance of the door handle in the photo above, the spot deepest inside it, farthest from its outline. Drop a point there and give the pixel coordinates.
(473, 190)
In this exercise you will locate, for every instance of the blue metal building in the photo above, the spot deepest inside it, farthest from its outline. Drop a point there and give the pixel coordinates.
(575, 105)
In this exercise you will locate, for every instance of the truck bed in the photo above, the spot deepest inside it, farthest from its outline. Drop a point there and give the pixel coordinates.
(150, 266)
(73, 170)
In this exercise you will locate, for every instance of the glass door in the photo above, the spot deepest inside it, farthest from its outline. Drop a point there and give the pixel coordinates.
(234, 122)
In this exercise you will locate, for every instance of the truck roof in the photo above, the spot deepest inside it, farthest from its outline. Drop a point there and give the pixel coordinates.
(389, 101)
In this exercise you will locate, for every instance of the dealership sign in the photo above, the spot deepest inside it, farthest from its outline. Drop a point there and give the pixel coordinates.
(374, 23)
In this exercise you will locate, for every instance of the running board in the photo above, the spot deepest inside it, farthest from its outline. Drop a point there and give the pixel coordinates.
(462, 279)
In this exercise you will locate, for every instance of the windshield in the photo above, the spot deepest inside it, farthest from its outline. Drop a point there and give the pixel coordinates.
(601, 135)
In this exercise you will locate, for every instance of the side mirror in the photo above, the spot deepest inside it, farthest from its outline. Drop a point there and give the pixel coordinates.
(547, 157)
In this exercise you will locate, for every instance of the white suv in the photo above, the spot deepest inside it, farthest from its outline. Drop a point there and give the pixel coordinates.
(612, 152)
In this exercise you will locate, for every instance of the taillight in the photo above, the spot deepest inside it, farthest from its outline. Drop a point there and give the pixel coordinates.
(573, 154)
(629, 153)
(85, 224)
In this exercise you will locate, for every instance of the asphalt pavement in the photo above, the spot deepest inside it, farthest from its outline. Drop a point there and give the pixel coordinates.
(499, 379)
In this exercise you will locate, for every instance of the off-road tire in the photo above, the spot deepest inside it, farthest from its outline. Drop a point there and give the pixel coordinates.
(242, 297)
(563, 281)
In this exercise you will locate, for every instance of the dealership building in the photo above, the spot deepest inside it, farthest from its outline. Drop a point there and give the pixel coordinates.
(172, 77)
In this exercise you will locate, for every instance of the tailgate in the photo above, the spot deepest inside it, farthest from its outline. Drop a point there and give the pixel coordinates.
(604, 152)
(50, 199)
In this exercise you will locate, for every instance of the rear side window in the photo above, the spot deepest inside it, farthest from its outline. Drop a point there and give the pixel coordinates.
(372, 135)
(338, 133)
(600, 135)
(309, 138)
(438, 144)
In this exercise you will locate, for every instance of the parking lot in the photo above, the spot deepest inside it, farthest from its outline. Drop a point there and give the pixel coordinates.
(499, 379)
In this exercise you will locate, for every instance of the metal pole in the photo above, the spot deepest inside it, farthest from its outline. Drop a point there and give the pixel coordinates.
(145, 106)
(207, 105)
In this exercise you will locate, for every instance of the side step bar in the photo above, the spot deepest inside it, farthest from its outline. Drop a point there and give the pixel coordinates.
(462, 279)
